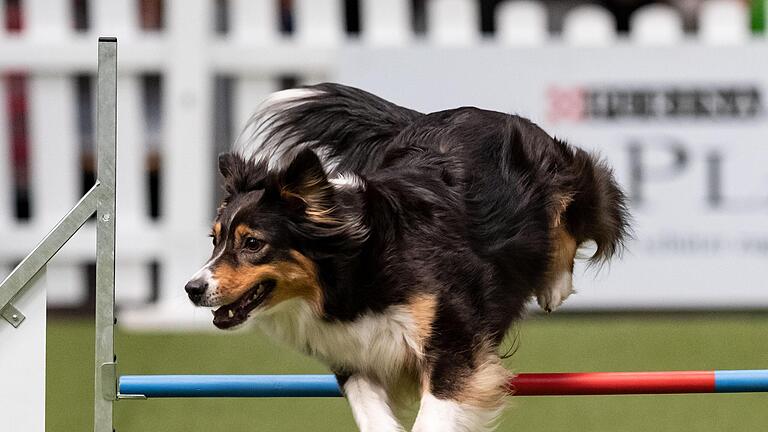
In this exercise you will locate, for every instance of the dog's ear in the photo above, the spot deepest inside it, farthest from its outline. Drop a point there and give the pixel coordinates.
(304, 186)
(228, 163)
(240, 175)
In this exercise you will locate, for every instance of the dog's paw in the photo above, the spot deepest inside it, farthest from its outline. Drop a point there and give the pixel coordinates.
(550, 299)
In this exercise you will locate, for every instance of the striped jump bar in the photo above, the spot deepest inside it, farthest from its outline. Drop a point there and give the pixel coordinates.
(530, 384)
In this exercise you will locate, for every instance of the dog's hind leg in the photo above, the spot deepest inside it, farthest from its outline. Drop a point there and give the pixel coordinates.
(370, 405)
(470, 401)
(560, 284)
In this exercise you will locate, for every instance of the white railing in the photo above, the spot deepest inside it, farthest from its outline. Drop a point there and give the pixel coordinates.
(188, 55)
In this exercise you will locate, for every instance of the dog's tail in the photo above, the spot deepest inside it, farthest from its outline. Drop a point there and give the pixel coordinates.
(598, 210)
(349, 129)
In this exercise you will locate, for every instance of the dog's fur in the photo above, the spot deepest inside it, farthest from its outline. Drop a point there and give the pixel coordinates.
(399, 247)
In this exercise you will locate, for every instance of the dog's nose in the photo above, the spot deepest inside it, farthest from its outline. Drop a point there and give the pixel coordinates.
(195, 289)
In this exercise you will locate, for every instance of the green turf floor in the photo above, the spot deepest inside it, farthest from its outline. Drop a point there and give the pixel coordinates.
(557, 343)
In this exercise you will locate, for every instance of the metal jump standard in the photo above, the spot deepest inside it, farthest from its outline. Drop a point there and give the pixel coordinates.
(109, 388)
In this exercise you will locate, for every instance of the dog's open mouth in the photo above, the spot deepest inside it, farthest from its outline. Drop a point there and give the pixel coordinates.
(237, 312)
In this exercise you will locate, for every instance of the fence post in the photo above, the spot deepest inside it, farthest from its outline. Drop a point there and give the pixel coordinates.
(6, 158)
(724, 22)
(386, 23)
(656, 24)
(318, 23)
(119, 18)
(521, 22)
(53, 146)
(589, 25)
(254, 22)
(453, 22)
(188, 161)
(6, 181)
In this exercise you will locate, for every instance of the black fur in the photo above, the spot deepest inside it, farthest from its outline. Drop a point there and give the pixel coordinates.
(507, 158)
(457, 204)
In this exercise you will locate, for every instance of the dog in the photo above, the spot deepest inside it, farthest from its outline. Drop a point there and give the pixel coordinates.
(399, 247)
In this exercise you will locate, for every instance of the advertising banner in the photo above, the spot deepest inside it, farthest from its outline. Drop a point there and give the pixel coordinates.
(684, 127)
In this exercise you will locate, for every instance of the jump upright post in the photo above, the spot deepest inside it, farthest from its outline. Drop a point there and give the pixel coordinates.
(100, 199)
(106, 137)
(108, 388)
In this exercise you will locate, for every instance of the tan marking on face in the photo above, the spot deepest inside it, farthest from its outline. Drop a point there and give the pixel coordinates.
(293, 279)
(300, 279)
(243, 231)
(217, 229)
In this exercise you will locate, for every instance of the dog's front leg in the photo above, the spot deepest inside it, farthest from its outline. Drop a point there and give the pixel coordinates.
(369, 403)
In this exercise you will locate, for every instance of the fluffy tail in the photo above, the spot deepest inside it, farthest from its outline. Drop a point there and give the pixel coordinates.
(599, 210)
(349, 129)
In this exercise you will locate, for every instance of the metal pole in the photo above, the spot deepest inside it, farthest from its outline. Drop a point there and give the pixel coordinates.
(530, 384)
(21, 276)
(106, 141)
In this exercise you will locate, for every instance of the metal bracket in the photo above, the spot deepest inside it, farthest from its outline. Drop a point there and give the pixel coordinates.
(21, 277)
(108, 380)
(12, 315)
(131, 396)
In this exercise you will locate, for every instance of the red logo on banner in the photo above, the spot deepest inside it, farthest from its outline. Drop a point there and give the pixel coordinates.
(566, 104)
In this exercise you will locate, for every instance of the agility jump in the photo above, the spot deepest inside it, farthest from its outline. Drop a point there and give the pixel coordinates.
(526, 384)
(109, 387)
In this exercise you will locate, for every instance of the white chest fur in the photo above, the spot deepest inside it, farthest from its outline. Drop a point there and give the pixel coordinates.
(378, 344)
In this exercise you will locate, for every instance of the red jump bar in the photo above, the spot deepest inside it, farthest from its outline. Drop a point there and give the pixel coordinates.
(526, 384)
(612, 383)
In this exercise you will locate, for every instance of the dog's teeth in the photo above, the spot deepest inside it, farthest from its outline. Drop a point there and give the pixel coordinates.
(230, 313)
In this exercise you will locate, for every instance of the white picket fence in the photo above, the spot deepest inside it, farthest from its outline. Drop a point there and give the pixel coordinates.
(189, 54)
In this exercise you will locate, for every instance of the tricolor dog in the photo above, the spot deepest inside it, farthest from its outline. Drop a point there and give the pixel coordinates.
(398, 247)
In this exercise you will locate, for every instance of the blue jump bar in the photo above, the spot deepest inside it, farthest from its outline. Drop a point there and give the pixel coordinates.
(184, 386)
(741, 381)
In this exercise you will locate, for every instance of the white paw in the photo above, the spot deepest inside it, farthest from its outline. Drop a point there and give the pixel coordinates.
(550, 299)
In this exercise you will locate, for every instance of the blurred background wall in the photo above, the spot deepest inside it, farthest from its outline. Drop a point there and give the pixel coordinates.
(602, 74)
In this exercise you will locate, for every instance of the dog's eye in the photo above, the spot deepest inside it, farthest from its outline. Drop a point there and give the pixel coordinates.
(252, 244)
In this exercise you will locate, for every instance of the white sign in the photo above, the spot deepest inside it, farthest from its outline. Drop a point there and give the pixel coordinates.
(22, 362)
(684, 127)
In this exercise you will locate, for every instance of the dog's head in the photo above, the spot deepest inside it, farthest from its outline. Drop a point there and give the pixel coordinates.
(268, 233)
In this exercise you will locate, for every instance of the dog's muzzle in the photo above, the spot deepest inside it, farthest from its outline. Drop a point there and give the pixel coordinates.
(195, 289)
